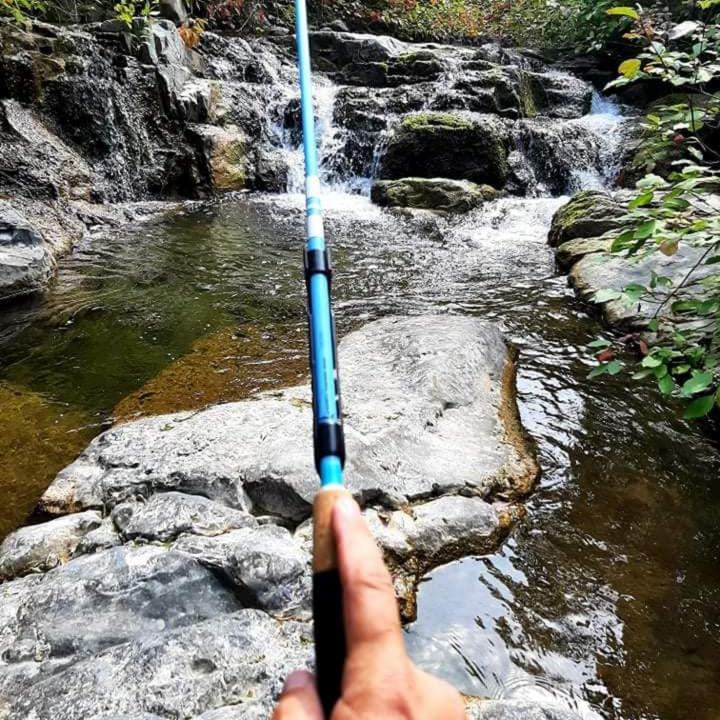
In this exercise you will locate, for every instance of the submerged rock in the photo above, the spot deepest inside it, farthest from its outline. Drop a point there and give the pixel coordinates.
(431, 194)
(431, 145)
(429, 410)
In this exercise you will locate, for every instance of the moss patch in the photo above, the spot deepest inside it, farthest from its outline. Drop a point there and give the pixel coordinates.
(426, 120)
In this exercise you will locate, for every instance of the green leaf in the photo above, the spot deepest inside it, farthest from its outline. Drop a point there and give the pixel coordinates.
(630, 68)
(603, 296)
(666, 385)
(596, 372)
(696, 384)
(651, 362)
(646, 230)
(700, 407)
(614, 367)
(642, 374)
(641, 200)
(600, 343)
(624, 11)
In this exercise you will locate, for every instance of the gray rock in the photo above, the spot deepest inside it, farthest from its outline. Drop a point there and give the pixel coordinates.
(165, 516)
(516, 710)
(38, 548)
(440, 145)
(127, 592)
(429, 410)
(103, 537)
(431, 194)
(26, 263)
(559, 95)
(228, 660)
(267, 568)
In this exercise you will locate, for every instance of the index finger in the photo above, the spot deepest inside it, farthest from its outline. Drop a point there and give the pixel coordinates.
(372, 617)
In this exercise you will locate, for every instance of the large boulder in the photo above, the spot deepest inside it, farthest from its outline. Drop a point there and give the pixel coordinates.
(26, 263)
(432, 145)
(438, 194)
(589, 214)
(429, 410)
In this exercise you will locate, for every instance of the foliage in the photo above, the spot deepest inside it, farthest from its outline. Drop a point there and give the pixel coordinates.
(192, 31)
(676, 209)
(22, 10)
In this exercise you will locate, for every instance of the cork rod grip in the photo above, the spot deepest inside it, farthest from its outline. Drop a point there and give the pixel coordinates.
(330, 648)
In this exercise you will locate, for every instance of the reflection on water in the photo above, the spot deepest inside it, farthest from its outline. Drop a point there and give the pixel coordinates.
(607, 599)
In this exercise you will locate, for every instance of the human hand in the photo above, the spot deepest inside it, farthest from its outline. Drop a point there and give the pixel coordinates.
(379, 681)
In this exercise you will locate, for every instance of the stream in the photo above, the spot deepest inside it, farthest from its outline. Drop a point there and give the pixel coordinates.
(606, 599)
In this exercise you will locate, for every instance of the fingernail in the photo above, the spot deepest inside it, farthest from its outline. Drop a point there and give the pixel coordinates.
(298, 680)
(347, 508)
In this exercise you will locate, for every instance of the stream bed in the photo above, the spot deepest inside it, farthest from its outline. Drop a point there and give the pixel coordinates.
(606, 599)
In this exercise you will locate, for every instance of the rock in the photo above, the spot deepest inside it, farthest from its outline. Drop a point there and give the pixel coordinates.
(264, 565)
(26, 263)
(588, 215)
(222, 156)
(103, 537)
(339, 26)
(230, 659)
(130, 593)
(173, 10)
(36, 163)
(438, 145)
(431, 194)
(558, 95)
(161, 42)
(557, 152)
(271, 171)
(429, 410)
(337, 50)
(584, 230)
(430, 534)
(479, 709)
(38, 548)
(167, 515)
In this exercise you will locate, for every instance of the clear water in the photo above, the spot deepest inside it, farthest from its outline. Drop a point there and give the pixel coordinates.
(605, 599)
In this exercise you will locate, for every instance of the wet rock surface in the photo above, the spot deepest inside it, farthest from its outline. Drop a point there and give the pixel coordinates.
(437, 194)
(433, 145)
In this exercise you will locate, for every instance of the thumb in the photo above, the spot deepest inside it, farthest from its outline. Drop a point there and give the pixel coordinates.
(299, 699)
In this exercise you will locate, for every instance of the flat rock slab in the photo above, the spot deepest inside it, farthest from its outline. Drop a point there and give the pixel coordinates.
(429, 409)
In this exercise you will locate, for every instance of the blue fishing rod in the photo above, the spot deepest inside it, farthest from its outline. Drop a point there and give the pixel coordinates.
(328, 435)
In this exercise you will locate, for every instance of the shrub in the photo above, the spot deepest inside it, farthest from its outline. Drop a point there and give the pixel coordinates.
(673, 207)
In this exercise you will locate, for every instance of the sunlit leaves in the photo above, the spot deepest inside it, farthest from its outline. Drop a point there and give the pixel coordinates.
(625, 12)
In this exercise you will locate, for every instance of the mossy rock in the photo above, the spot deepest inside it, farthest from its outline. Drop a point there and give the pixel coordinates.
(439, 194)
(589, 214)
(430, 145)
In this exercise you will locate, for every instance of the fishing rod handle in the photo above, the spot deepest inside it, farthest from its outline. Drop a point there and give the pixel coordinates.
(330, 646)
